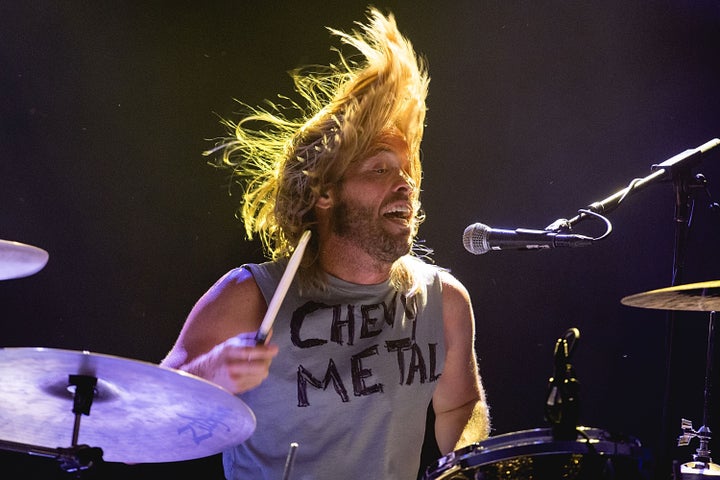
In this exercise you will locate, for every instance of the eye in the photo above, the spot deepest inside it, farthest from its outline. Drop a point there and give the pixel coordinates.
(380, 170)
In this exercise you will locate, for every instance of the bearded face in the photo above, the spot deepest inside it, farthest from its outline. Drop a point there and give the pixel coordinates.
(385, 237)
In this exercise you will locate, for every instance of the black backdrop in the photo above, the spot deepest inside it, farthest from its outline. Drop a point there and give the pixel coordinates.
(536, 109)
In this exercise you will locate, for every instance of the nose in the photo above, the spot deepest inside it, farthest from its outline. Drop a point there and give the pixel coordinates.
(404, 181)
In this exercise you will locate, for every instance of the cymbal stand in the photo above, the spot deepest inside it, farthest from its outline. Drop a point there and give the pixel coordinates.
(75, 458)
(702, 463)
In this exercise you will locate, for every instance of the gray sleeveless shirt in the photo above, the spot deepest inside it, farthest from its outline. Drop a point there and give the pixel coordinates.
(351, 385)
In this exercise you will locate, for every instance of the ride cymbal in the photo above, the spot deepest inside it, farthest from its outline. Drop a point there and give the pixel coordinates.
(140, 412)
(699, 297)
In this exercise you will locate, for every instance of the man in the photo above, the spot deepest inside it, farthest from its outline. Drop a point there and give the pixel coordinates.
(368, 334)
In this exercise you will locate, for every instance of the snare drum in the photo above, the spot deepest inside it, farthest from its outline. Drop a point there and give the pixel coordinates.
(536, 455)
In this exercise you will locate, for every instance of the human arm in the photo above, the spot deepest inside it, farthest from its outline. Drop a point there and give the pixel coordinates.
(461, 411)
(210, 345)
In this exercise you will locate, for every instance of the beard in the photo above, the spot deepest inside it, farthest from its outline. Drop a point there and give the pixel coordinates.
(359, 225)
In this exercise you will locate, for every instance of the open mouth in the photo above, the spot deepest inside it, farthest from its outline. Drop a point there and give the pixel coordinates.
(398, 212)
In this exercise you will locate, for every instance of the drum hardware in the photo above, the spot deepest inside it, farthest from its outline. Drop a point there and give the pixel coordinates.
(702, 462)
(141, 412)
(536, 454)
(562, 409)
(289, 461)
(76, 458)
(703, 297)
(19, 260)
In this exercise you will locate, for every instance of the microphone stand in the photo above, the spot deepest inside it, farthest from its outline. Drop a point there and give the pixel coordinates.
(678, 169)
(562, 409)
(683, 183)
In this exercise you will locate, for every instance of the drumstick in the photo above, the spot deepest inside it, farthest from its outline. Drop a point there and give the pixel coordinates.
(282, 288)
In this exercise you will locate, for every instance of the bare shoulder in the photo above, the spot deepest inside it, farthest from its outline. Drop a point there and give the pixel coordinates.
(234, 304)
(458, 317)
(237, 285)
(454, 292)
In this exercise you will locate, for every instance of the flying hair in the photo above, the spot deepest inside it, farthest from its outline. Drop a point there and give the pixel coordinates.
(286, 155)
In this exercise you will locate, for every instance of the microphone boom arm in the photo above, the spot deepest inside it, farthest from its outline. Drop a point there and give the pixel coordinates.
(668, 168)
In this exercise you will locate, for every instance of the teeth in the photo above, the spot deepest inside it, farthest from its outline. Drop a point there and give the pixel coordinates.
(401, 211)
(398, 210)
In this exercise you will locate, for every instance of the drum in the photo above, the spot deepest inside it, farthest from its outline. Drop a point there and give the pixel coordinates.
(536, 455)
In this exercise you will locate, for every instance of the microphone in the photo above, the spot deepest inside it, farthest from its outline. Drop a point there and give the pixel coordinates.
(479, 238)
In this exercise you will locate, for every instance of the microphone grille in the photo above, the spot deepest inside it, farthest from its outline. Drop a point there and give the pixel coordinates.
(475, 238)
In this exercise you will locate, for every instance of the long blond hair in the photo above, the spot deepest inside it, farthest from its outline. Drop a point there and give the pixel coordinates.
(285, 163)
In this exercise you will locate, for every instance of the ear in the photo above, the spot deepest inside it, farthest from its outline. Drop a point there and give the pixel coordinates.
(326, 199)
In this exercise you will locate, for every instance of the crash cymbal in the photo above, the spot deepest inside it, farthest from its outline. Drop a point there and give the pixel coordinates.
(141, 412)
(700, 297)
(18, 260)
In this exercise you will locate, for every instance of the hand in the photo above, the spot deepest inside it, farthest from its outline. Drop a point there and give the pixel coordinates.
(237, 364)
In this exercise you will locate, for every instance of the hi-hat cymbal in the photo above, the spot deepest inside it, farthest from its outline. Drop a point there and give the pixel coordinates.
(700, 297)
(141, 412)
(19, 260)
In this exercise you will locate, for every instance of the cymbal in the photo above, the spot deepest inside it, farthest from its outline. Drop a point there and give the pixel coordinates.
(19, 260)
(141, 412)
(701, 297)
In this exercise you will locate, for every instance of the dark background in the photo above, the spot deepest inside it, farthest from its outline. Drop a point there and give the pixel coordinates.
(536, 109)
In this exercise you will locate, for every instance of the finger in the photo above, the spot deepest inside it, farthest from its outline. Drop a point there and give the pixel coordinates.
(260, 352)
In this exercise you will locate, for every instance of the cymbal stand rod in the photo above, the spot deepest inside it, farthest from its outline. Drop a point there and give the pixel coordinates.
(82, 400)
(703, 451)
(708, 368)
(704, 434)
(76, 430)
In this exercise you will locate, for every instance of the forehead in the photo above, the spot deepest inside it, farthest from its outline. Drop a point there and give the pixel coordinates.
(391, 142)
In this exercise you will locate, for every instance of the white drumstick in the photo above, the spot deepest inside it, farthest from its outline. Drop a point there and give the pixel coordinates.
(282, 289)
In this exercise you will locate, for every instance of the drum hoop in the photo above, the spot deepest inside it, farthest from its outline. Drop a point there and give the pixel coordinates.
(536, 442)
(578, 447)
